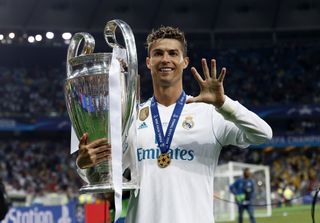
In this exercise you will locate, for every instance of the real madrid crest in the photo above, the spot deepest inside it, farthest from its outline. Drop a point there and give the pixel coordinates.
(188, 123)
(144, 113)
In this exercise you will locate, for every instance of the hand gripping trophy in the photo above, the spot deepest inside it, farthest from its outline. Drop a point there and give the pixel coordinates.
(101, 93)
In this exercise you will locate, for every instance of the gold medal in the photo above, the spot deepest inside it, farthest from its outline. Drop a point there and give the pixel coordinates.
(164, 160)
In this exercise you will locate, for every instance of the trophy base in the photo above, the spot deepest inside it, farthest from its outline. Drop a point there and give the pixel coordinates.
(107, 188)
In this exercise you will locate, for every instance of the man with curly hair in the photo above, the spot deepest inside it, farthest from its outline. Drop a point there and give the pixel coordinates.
(180, 137)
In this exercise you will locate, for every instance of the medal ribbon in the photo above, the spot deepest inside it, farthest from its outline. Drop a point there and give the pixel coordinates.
(164, 142)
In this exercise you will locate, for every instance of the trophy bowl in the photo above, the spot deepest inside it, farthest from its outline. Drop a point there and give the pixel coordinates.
(87, 99)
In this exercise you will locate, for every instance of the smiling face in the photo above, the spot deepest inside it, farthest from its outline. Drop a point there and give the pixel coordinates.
(166, 62)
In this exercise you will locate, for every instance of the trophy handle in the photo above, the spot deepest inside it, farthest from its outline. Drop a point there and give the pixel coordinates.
(109, 35)
(73, 48)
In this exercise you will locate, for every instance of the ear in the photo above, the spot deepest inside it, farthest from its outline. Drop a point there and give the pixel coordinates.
(186, 62)
(148, 62)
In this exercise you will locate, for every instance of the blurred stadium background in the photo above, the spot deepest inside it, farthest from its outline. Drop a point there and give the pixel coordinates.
(272, 53)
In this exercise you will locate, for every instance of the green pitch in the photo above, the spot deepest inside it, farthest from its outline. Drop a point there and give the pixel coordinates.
(294, 214)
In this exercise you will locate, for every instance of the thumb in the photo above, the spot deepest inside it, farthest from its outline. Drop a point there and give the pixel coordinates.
(84, 139)
(192, 100)
(189, 100)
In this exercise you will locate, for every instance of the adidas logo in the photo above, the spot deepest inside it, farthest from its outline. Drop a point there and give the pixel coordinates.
(143, 125)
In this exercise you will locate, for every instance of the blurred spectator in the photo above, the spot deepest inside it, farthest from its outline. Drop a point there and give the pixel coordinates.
(244, 192)
(288, 194)
(38, 167)
(4, 202)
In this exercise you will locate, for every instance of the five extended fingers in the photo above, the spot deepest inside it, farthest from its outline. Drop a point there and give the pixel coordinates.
(207, 73)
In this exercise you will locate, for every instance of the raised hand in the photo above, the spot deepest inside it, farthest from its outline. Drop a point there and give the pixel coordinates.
(93, 153)
(211, 88)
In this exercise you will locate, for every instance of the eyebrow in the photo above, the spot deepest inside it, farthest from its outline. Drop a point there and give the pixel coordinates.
(161, 50)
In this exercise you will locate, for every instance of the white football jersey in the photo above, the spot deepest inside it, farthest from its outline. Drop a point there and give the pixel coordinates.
(183, 191)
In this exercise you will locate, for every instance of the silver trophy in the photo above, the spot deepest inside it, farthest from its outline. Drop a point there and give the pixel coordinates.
(87, 99)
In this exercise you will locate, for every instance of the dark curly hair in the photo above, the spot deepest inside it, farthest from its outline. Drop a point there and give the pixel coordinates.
(167, 32)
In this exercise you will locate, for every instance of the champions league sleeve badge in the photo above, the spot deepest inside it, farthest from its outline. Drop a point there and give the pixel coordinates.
(188, 123)
(164, 160)
(144, 113)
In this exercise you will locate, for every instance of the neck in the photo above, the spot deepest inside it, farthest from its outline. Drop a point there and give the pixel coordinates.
(167, 96)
